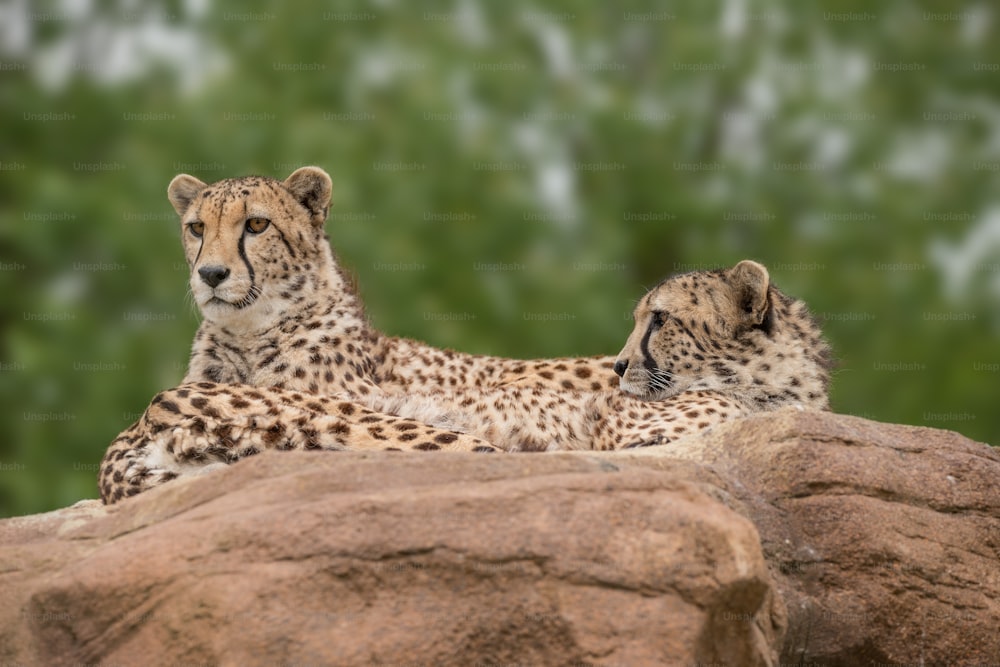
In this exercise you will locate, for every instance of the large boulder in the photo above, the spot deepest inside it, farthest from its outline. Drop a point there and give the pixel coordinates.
(884, 539)
(787, 538)
(393, 558)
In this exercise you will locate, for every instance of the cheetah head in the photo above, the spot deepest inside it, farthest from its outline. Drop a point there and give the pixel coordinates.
(251, 242)
(725, 330)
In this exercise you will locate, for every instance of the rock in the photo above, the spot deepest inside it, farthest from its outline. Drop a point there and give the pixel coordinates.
(787, 538)
(393, 558)
(884, 539)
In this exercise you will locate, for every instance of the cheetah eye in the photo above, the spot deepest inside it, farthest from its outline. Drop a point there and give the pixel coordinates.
(196, 228)
(257, 225)
(659, 319)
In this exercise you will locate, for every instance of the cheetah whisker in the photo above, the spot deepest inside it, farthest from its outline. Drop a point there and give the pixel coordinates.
(251, 296)
(658, 380)
(192, 303)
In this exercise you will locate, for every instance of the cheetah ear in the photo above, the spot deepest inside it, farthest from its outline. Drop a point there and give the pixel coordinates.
(311, 187)
(750, 282)
(182, 191)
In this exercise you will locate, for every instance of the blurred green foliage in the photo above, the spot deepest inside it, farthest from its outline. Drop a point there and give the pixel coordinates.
(509, 177)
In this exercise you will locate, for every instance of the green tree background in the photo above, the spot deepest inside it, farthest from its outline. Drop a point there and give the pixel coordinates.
(509, 178)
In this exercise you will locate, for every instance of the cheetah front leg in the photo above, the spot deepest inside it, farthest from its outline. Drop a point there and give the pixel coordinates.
(193, 427)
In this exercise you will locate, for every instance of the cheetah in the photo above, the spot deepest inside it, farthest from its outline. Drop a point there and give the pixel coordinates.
(707, 346)
(280, 313)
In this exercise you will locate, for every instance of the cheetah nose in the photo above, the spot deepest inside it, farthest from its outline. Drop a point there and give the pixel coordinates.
(620, 367)
(213, 275)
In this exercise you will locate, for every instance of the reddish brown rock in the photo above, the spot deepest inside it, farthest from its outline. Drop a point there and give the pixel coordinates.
(884, 539)
(354, 559)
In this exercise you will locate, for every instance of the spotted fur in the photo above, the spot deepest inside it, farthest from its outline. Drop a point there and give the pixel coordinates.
(280, 313)
(707, 346)
(285, 358)
(731, 332)
(288, 316)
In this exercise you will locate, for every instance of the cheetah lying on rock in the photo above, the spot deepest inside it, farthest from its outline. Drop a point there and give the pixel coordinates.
(707, 346)
(286, 359)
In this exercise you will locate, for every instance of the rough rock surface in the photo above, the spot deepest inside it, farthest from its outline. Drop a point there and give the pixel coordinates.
(884, 539)
(792, 538)
(358, 559)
